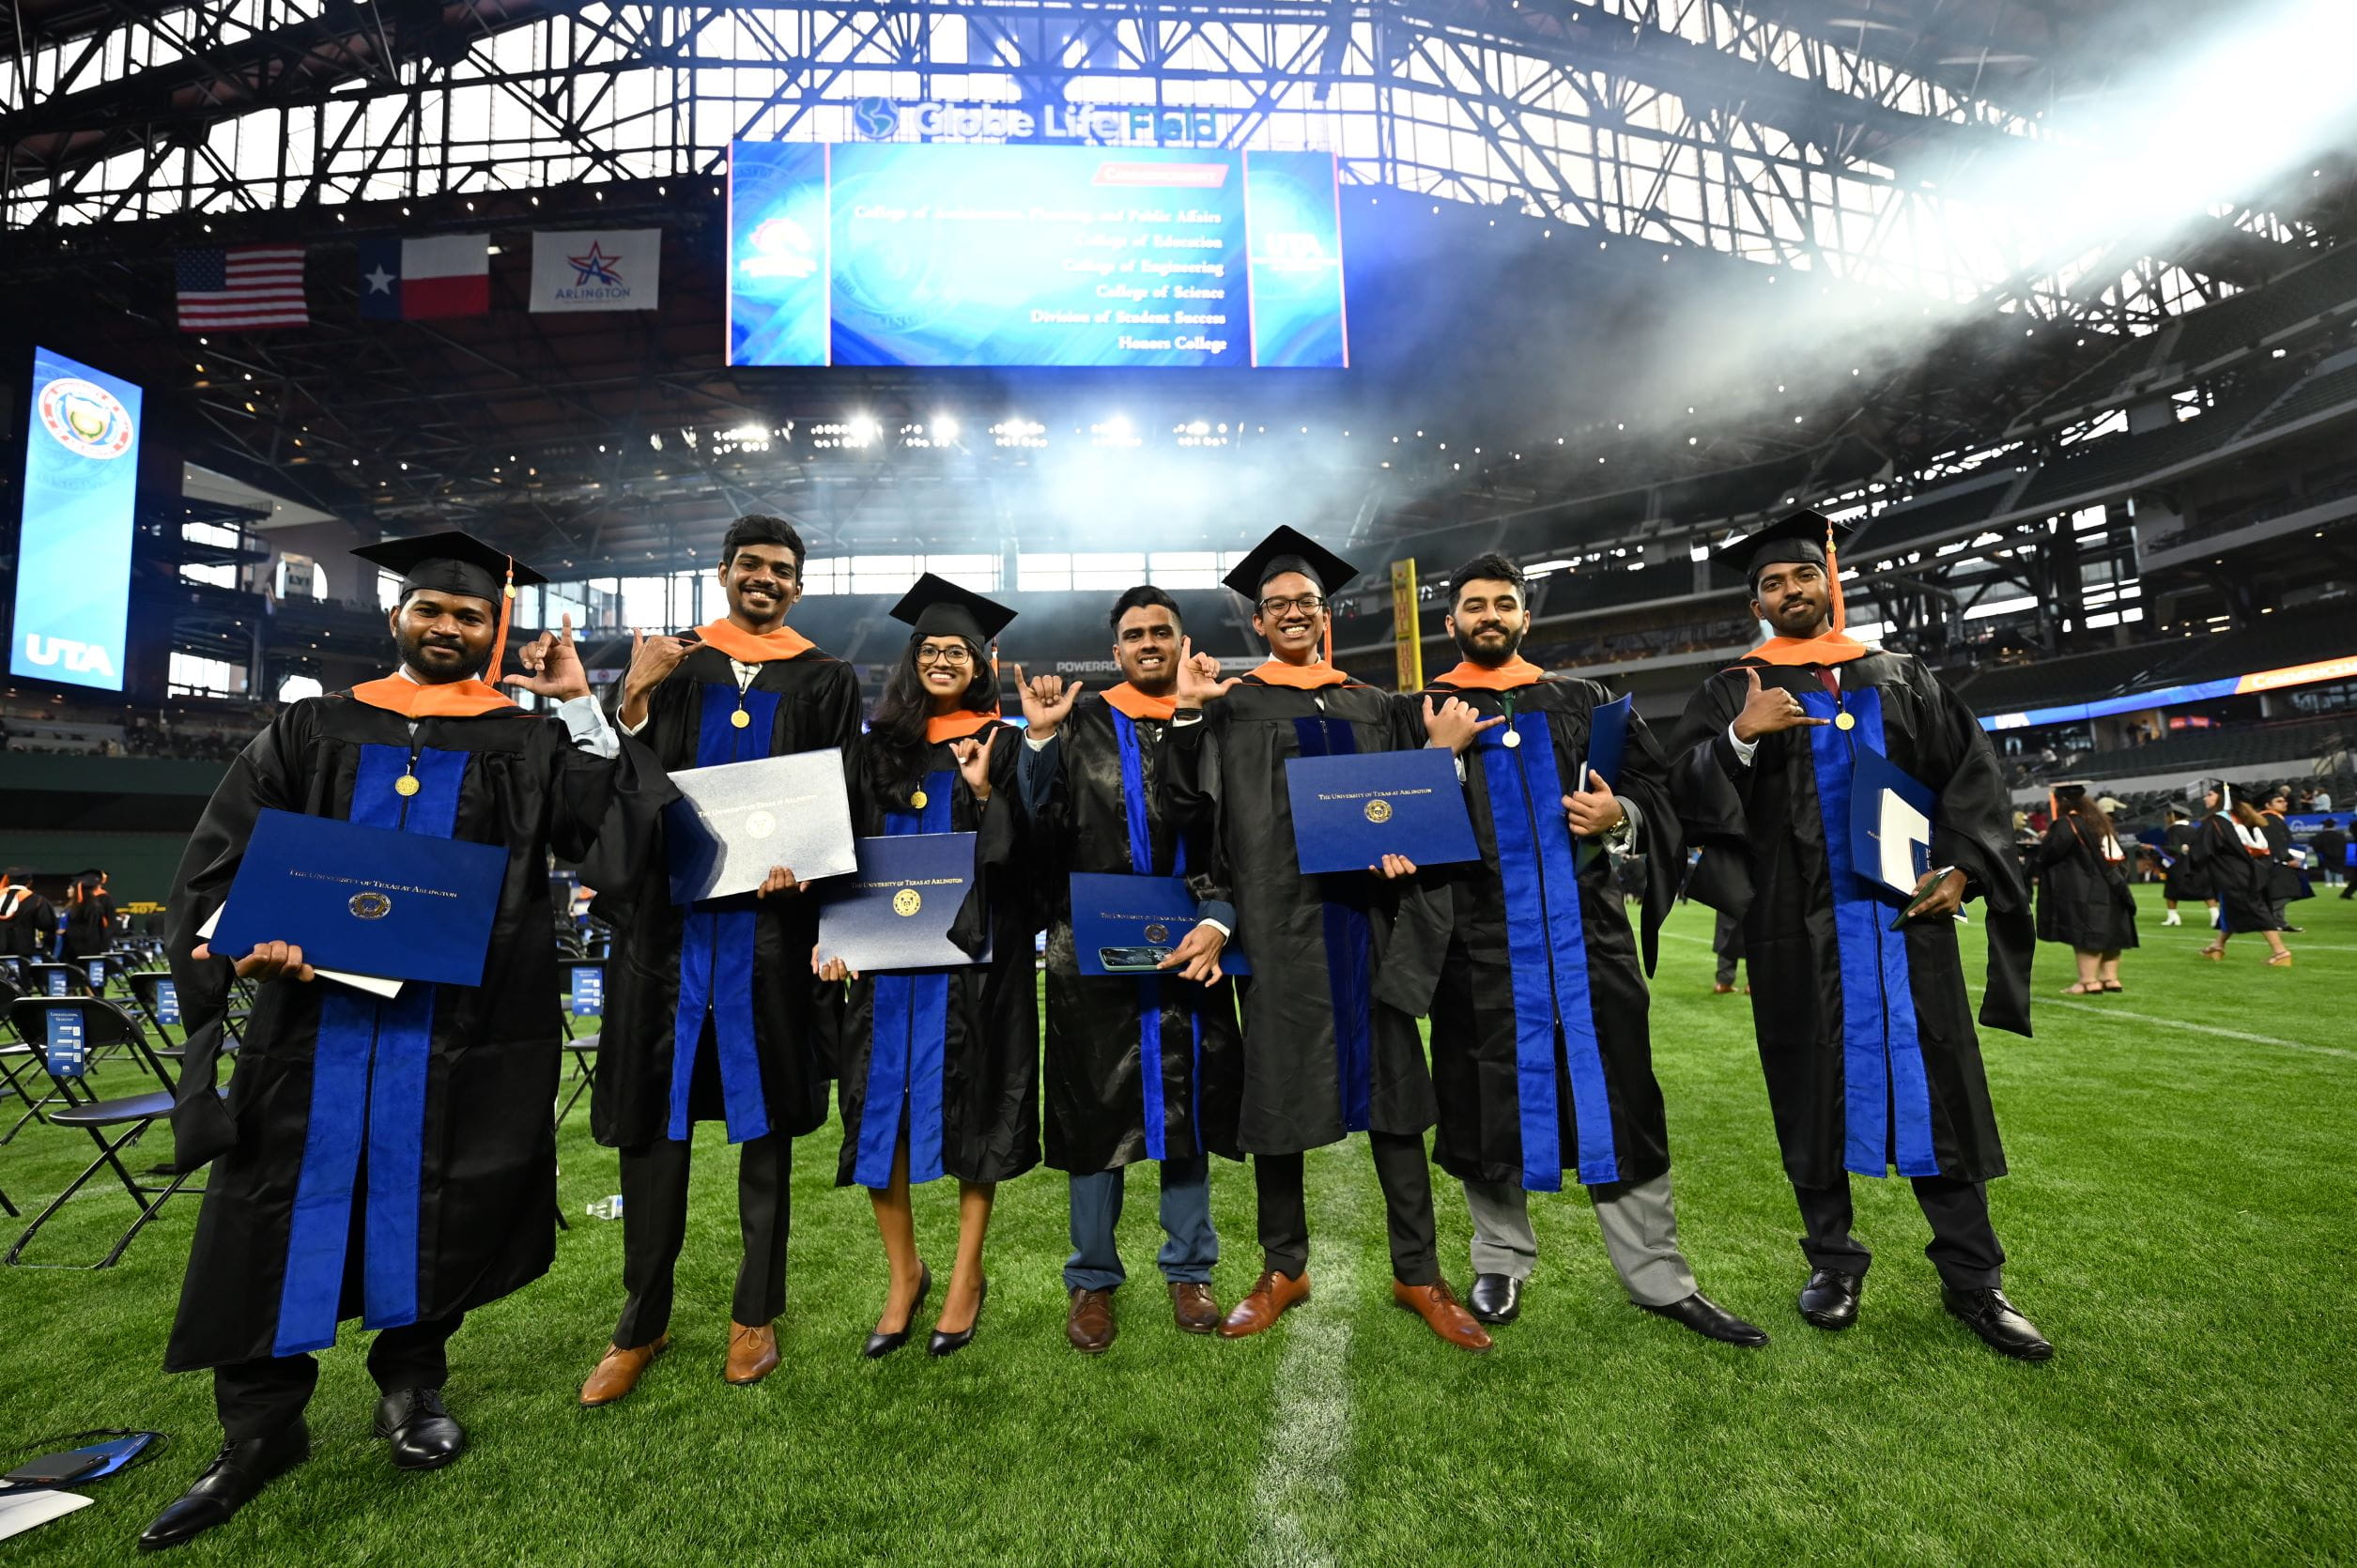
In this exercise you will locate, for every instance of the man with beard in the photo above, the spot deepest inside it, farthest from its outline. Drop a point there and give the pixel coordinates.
(391, 1159)
(712, 1013)
(1137, 1068)
(1342, 964)
(1541, 1058)
(1864, 1031)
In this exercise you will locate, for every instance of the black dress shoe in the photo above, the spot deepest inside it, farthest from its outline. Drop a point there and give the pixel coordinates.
(1829, 1299)
(1988, 1313)
(949, 1345)
(423, 1434)
(1495, 1297)
(241, 1470)
(1709, 1320)
(881, 1345)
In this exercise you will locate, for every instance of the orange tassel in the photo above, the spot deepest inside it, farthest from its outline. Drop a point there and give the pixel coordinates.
(498, 641)
(1833, 571)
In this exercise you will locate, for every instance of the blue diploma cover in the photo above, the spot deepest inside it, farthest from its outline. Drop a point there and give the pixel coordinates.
(1890, 824)
(369, 901)
(734, 820)
(895, 913)
(1124, 924)
(1608, 740)
(1352, 810)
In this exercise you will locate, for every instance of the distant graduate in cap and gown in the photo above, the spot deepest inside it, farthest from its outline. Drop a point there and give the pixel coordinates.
(2235, 853)
(1145, 1066)
(2085, 902)
(940, 1070)
(1542, 1054)
(1865, 1033)
(712, 1014)
(1342, 964)
(392, 1161)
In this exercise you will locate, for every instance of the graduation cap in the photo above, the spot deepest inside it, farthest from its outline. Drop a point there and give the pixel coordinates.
(450, 562)
(938, 607)
(2073, 792)
(456, 561)
(1805, 537)
(1290, 550)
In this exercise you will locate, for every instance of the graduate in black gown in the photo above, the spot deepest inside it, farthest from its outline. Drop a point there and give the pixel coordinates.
(940, 1070)
(712, 1014)
(1143, 1067)
(1342, 964)
(2184, 880)
(2234, 851)
(2286, 882)
(2084, 900)
(1542, 1051)
(1865, 1033)
(392, 1160)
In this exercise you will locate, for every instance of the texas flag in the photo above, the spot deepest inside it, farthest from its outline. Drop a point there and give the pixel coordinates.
(405, 280)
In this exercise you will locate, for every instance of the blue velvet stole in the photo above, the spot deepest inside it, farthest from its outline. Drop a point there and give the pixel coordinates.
(368, 1080)
(1546, 957)
(1150, 988)
(1886, 1096)
(908, 1038)
(716, 944)
(1350, 942)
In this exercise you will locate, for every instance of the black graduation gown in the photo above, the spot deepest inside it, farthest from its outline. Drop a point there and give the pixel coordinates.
(90, 927)
(969, 1093)
(2286, 882)
(2084, 900)
(1346, 947)
(2187, 879)
(750, 968)
(1541, 1011)
(454, 1082)
(1865, 1035)
(2240, 874)
(29, 930)
(1097, 1091)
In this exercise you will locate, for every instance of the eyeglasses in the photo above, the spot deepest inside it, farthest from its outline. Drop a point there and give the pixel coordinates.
(1308, 602)
(956, 653)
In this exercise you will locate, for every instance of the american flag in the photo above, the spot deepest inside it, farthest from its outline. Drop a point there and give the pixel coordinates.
(242, 286)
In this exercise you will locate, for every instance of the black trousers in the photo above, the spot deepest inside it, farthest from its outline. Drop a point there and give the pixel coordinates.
(1964, 1244)
(1406, 1179)
(654, 1225)
(261, 1398)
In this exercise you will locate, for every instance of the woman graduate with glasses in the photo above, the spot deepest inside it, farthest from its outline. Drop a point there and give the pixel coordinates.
(940, 1075)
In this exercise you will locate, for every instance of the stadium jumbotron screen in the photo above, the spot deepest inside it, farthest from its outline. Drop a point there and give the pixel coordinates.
(984, 255)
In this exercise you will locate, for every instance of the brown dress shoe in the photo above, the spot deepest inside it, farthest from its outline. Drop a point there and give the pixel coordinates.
(620, 1372)
(1435, 1304)
(1272, 1294)
(1089, 1324)
(1193, 1308)
(752, 1352)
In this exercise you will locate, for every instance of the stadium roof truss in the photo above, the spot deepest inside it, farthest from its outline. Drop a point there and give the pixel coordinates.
(1801, 132)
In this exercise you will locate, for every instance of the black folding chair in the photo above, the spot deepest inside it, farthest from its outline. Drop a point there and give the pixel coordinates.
(9, 1208)
(113, 1125)
(577, 976)
(157, 999)
(45, 979)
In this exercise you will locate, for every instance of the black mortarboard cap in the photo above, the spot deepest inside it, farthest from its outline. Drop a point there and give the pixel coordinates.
(451, 562)
(1800, 537)
(938, 607)
(1290, 550)
(2070, 792)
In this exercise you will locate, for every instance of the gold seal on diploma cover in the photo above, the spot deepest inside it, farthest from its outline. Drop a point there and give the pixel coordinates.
(1845, 720)
(406, 785)
(906, 903)
(740, 718)
(1378, 810)
(371, 906)
(917, 800)
(1158, 933)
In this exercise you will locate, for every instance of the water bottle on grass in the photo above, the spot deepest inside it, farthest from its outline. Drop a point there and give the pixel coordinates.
(607, 1208)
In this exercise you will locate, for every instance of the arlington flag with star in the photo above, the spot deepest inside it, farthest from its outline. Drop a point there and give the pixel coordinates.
(596, 269)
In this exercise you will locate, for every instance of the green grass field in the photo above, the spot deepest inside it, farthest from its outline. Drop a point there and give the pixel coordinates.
(2180, 1220)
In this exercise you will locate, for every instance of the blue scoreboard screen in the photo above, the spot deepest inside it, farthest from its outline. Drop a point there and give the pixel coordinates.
(940, 255)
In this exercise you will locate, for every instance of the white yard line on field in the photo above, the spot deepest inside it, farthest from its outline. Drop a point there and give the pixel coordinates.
(1303, 1483)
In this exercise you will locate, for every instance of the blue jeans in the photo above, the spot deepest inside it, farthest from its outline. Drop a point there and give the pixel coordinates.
(1190, 1250)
